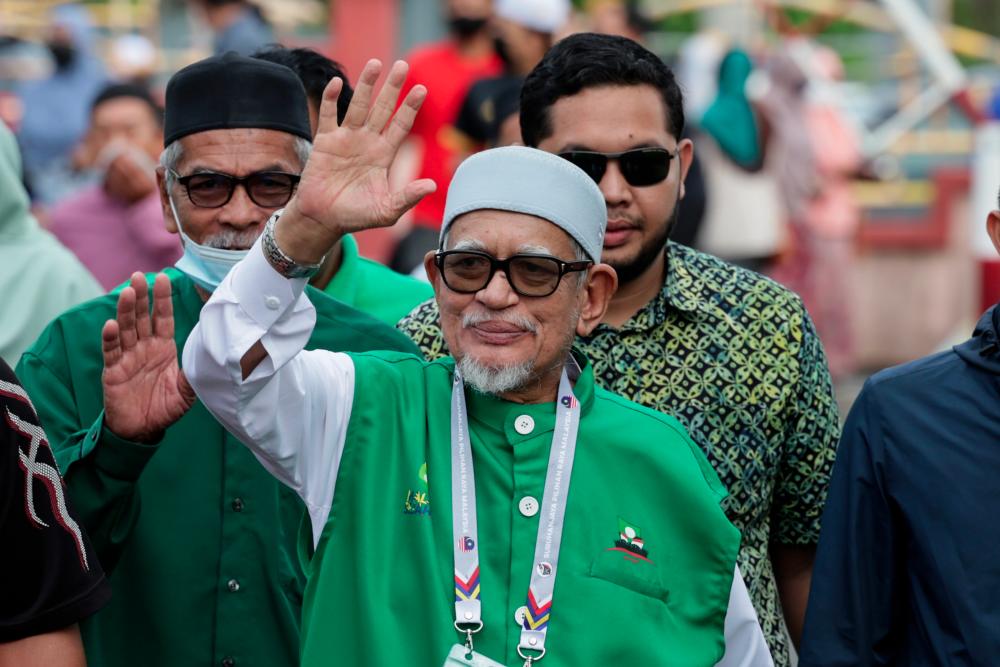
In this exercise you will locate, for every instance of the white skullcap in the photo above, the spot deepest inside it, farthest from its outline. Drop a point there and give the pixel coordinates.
(530, 181)
(542, 15)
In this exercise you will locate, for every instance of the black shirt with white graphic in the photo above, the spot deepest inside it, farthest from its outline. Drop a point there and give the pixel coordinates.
(49, 574)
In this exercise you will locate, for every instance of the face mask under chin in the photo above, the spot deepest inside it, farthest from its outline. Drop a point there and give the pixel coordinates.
(206, 266)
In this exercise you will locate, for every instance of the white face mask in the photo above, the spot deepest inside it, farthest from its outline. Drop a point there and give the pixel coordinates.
(202, 264)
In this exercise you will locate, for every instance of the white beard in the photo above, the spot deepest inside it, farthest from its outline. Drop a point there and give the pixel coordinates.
(495, 381)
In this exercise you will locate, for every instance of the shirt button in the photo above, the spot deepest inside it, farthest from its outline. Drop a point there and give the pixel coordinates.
(524, 424)
(233, 585)
(528, 506)
(272, 302)
(237, 504)
(519, 616)
(228, 662)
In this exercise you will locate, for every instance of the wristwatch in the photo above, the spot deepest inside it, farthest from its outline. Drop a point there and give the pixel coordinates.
(277, 258)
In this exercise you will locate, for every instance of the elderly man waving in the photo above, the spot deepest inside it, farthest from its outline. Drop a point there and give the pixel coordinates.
(492, 509)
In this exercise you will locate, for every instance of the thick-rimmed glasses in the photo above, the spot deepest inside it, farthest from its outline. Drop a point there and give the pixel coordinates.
(468, 271)
(267, 189)
(639, 166)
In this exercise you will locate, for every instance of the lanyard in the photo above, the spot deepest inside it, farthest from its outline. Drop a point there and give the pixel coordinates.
(468, 609)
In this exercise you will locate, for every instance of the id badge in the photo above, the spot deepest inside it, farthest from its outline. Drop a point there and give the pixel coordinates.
(456, 658)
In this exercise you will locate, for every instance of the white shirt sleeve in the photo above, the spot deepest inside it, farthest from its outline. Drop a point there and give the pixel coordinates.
(745, 644)
(293, 410)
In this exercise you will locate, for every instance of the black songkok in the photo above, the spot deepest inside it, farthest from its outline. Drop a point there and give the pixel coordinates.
(231, 91)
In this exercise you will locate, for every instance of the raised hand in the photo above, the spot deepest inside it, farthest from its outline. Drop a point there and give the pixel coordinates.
(144, 388)
(345, 186)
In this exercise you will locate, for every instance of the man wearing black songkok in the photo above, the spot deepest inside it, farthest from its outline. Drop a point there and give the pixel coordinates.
(198, 538)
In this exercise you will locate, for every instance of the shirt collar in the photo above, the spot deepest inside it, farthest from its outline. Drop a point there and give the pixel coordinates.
(499, 415)
(680, 288)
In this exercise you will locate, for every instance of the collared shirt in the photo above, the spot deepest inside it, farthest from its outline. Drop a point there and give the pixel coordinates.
(373, 288)
(114, 240)
(199, 541)
(735, 358)
(364, 440)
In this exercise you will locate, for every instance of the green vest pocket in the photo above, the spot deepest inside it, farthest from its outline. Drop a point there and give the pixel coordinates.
(637, 575)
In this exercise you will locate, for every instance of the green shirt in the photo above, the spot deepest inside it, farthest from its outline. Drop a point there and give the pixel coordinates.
(199, 539)
(736, 359)
(375, 289)
(381, 586)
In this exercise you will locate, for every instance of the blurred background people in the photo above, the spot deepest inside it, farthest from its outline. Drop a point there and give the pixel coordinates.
(447, 68)
(820, 260)
(56, 107)
(522, 31)
(745, 216)
(133, 58)
(39, 278)
(115, 227)
(238, 25)
(618, 17)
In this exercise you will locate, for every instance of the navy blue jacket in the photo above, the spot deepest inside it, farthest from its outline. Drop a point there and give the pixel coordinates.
(908, 567)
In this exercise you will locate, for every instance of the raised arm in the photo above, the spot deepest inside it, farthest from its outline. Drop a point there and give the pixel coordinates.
(245, 359)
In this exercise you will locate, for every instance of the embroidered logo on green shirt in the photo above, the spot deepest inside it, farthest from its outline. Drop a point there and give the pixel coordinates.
(630, 541)
(418, 501)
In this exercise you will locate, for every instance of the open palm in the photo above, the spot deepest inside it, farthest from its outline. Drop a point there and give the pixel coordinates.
(144, 388)
(345, 185)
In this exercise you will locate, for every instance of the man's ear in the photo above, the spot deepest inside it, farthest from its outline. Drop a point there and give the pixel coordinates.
(602, 281)
(168, 214)
(430, 267)
(685, 156)
(993, 228)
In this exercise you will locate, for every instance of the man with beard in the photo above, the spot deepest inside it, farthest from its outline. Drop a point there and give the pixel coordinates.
(198, 539)
(729, 353)
(518, 274)
(447, 69)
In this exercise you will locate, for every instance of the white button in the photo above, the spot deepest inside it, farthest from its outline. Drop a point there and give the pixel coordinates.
(519, 615)
(532, 641)
(528, 506)
(272, 302)
(524, 424)
(468, 615)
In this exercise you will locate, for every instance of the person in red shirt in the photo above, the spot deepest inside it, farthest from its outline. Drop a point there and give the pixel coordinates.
(447, 68)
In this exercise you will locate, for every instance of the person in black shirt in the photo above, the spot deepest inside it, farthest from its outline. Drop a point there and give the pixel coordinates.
(49, 575)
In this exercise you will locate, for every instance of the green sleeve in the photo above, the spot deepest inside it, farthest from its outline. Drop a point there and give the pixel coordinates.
(100, 469)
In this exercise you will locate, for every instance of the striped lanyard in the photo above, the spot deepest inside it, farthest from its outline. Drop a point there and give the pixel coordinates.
(468, 608)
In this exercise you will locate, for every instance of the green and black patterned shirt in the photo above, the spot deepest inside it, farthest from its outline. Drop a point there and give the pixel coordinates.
(734, 357)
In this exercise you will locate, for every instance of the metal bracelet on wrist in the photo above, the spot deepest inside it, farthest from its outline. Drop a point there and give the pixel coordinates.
(277, 258)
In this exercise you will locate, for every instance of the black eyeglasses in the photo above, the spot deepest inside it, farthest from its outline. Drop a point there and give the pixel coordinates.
(640, 166)
(267, 189)
(468, 271)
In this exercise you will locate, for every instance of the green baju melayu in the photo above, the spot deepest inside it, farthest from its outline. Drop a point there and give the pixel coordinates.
(375, 289)
(381, 581)
(199, 539)
(647, 562)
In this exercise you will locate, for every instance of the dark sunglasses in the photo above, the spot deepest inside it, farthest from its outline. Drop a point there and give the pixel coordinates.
(468, 271)
(639, 166)
(267, 189)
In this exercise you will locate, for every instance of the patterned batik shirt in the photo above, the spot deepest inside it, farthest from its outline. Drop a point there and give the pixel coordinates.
(734, 357)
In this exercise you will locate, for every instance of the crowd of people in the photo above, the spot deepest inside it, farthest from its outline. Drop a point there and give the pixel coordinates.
(233, 440)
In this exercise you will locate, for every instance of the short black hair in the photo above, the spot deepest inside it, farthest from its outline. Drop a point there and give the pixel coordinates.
(588, 60)
(314, 70)
(119, 90)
